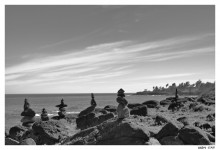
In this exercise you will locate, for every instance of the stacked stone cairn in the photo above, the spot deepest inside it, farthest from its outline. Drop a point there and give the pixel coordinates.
(93, 103)
(122, 109)
(62, 109)
(28, 115)
(44, 115)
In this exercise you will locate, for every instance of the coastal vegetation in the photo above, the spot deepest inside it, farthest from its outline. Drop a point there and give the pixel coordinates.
(186, 88)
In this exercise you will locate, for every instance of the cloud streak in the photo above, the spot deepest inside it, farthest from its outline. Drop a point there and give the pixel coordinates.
(101, 62)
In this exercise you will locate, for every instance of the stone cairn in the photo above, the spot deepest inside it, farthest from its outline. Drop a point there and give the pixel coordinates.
(176, 96)
(93, 103)
(62, 109)
(44, 115)
(28, 115)
(122, 109)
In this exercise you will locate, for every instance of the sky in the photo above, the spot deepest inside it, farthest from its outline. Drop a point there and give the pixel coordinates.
(102, 48)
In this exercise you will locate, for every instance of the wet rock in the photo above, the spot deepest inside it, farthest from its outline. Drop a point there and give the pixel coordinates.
(113, 131)
(10, 141)
(193, 136)
(110, 108)
(170, 129)
(91, 120)
(171, 140)
(132, 105)
(139, 110)
(28, 141)
(151, 103)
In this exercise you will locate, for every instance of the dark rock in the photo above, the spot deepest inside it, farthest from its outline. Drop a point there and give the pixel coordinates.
(152, 141)
(193, 136)
(100, 110)
(171, 140)
(208, 97)
(28, 112)
(159, 120)
(183, 120)
(124, 130)
(50, 132)
(210, 117)
(197, 124)
(111, 108)
(198, 108)
(139, 110)
(213, 130)
(28, 141)
(61, 105)
(170, 129)
(132, 105)
(205, 126)
(10, 141)
(17, 132)
(151, 103)
(193, 105)
(210, 137)
(165, 102)
(87, 111)
(91, 120)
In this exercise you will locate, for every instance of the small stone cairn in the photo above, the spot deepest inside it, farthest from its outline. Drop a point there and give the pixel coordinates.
(62, 109)
(44, 115)
(28, 115)
(122, 109)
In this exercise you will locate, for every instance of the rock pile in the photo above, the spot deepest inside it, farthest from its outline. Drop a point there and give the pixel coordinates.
(122, 109)
(44, 115)
(28, 115)
(62, 109)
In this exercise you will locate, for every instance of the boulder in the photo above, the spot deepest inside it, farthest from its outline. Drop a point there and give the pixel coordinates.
(151, 103)
(17, 132)
(193, 105)
(87, 111)
(10, 141)
(171, 140)
(139, 110)
(152, 141)
(52, 131)
(193, 136)
(208, 98)
(170, 129)
(91, 120)
(159, 120)
(28, 141)
(210, 137)
(111, 108)
(132, 105)
(165, 102)
(183, 120)
(113, 131)
(198, 108)
(205, 126)
(210, 117)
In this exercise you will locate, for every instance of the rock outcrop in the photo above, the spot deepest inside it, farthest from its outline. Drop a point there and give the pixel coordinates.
(193, 136)
(151, 103)
(139, 110)
(91, 120)
(170, 129)
(112, 132)
(171, 140)
(51, 132)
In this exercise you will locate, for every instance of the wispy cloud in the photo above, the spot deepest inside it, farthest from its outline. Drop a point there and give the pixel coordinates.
(101, 62)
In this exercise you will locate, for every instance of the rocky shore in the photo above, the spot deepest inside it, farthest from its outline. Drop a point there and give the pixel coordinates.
(173, 121)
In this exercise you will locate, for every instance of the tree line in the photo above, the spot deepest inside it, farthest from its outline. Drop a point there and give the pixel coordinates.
(183, 88)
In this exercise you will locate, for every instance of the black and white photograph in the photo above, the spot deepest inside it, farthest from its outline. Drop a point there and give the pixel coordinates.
(110, 75)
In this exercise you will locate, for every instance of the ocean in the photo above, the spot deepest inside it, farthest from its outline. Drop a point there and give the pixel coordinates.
(76, 103)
